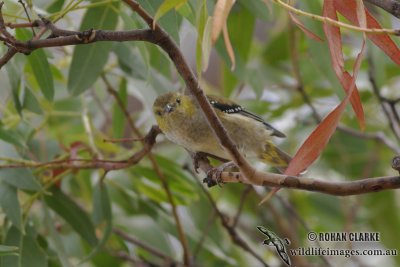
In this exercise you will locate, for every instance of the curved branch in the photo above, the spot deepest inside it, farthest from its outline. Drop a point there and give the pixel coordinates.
(108, 165)
(339, 188)
(336, 188)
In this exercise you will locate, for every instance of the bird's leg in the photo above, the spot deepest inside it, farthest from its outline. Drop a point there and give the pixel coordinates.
(197, 158)
(214, 174)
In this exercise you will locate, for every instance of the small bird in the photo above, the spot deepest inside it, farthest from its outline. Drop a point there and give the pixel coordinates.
(181, 120)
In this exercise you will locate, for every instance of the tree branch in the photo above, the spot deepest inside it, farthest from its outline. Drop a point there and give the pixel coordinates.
(107, 165)
(168, 260)
(339, 188)
(346, 188)
(389, 113)
(225, 221)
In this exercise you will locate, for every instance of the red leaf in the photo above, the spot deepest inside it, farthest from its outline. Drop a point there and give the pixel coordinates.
(318, 139)
(309, 33)
(315, 143)
(334, 38)
(383, 41)
(354, 99)
(335, 46)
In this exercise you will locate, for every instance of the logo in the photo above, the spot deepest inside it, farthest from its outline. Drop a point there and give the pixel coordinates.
(277, 242)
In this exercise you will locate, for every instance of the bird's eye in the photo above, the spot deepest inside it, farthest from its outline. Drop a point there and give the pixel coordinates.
(158, 113)
(178, 100)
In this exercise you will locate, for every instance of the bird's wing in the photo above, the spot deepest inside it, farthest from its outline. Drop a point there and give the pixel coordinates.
(231, 107)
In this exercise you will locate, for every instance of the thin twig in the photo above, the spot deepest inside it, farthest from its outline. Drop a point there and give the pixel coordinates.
(157, 169)
(149, 141)
(8, 56)
(144, 246)
(27, 15)
(204, 235)
(3, 29)
(375, 88)
(379, 137)
(243, 197)
(335, 22)
(228, 227)
(135, 262)
(303, 223)
(296, 71)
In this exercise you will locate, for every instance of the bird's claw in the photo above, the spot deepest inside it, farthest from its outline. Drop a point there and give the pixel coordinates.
(214, 175)
(209, 181)
(197, 157)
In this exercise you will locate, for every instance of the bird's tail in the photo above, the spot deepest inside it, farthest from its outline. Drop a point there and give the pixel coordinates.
(275, 157)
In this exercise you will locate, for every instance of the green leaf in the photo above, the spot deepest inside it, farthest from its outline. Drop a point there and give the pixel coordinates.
(206, 44)
(169, 22)
(31, 254)
(380, 205)
(182, 187)
(15, 81)
(186, 10)
(88, 60)
(166, 6)
(20, 178)
(30, 102)
(73, 214)
(101, 204)
(12, 137)
(55, 6)
(8, 250)
(55, 237)
(118, 118)
(201, 24)
(40, 67)
(10, 204)
(101, 215)
(257, 8)
(131, 60)
(241, 24)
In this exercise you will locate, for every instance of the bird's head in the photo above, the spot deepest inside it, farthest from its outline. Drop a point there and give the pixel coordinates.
(166, 104)
(172, 107)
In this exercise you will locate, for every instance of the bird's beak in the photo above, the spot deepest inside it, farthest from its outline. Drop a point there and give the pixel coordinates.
(168, 108)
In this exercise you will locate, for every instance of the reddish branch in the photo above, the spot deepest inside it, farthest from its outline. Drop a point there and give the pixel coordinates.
(108, 165)
(337, 188)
